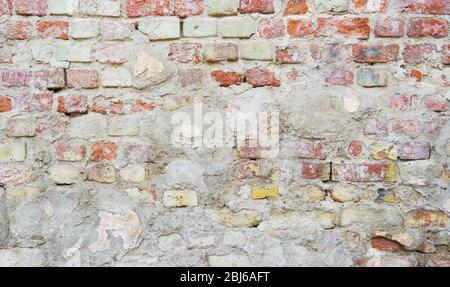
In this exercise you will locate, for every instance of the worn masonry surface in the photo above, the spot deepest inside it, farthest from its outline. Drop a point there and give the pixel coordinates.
(89, 175)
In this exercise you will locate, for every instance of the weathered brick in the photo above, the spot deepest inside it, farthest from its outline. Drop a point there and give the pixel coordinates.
(72, 104)
(263, 192)
(123, 126)
(100, 172)
(390, 27)
(355, 148)
(162, 28)
(110, 53)
(445, 57)
(340, 77)
(6, 7)
(435, 103)
(196, 27)
(185, 8)
(15, 78)
(63, 7)
(21, 127)
(217, 52)
(116, 30)
(271, 28)
(53, 29)
(335, 53)
(292, 147)
(16, 176)
(18, 29)
(370, 6)
(222, 8)
(238, 27)
(31, 7)
(383, 150)
(50, 79)
(227, 78)
(436, 28)
(257, 50)
(246, 170)
(419, 53)
(191, 77)
(260, 77)
(367, 53)
(64, 174)
(114, 77)
(401, 103)
(139, 153)
(36, 102)
(12, 151)
(256, 6)
(110, 8)
(74, 52)
(375, 126)
(5, 104)
(106, 105)
(414, 151)
(439, 7)
(140, 105)
(426, 219)
(140, 8)
(82, 78)
(372, 77)
(70, 150)
(180, 198)
(300, 27)
(352, 27)
(251, 150)
(102, 151)
(6, 54)
(438, 263)
(296, 7)
(83, 29)
(294, 53)
(366, 172)
(411, 127)
(384, 244)
(316, 171)
(186, 52)
(334, 6)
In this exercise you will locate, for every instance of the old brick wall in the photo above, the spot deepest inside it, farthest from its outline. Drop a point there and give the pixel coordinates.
(89, 175)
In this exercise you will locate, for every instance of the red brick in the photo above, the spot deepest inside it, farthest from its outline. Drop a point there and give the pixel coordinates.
(300, 27)
(367, 53)
(302, 148)
(420, 53)
(370, 6)
(140, 105)
(140, 8)
(70, 150)
(375, 127)
(410, 127)
(435, 125)
(296, 7)
(227, 78)
(186, 52)
(53, 29)
(5, 104)
(384, 244)
(445, 57)
(185, 8)
(438, 7)
(16, 78)
(295, 53)
(435, 103)
(40, 102)
(340, 77)
(400, 103)
(416, 74)
(436, 28)
(256, 6)
(414, 151)
(253, 151)
(72, 104)
(104, 151)
(50, 79)
(104, 105)
(390, 27)
(260, 77)
(355, 148)
(271, 28)
(18, 29)
(364, 172)
(139, 153)
(6, 7)
(427, 219)
(312, 170)
(81, 78)
(31, 7)
(352, 27)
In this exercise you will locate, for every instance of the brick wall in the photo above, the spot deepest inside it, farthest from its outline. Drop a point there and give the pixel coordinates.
(89, 175)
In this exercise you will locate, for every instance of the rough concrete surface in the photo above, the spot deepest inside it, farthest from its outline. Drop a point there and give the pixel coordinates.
(90, 174)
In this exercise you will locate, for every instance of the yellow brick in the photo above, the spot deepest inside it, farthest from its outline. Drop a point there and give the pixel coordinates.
(261, 192)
